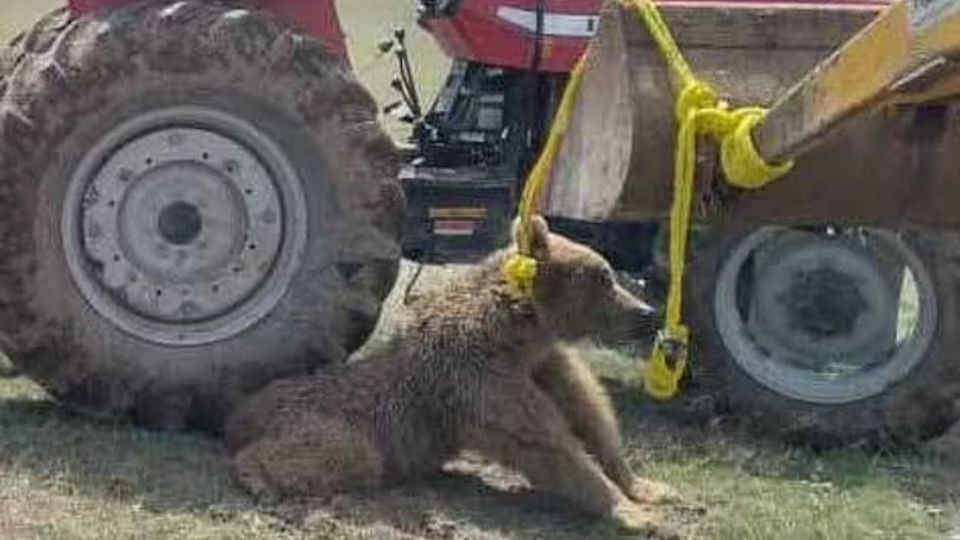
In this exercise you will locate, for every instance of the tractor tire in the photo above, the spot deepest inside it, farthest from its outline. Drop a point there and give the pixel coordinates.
(197, 199)
(46, 28)
(38, 38)
(829, 340)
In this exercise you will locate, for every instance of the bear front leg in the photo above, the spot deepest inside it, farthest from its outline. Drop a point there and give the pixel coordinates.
(568, 381)
(519, 426)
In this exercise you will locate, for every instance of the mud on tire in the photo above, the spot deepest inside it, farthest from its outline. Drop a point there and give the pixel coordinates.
(918, 403)
(70, 84)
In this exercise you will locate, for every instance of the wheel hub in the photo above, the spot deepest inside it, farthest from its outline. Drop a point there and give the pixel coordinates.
(819, 300)
(180, 223)
(185, 233)
(823, 303)
(818, 317)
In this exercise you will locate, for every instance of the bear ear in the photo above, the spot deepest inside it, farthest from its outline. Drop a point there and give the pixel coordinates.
(539, 234)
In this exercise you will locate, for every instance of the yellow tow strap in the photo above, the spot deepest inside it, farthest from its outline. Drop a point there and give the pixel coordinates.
(520, 270)
(699, 111)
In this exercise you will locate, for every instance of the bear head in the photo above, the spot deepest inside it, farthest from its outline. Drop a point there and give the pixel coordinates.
(576, 293)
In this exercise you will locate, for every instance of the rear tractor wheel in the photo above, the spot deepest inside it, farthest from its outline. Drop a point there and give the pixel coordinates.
(197, 200)
(830, 336)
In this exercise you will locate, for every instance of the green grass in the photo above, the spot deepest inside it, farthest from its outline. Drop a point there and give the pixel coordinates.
(63, 476)
(67, 477)
(752, 492)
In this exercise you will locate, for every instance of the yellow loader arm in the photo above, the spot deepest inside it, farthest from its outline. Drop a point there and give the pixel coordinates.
(909, 54)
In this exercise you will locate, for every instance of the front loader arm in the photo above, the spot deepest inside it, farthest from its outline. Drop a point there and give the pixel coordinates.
(909, 54)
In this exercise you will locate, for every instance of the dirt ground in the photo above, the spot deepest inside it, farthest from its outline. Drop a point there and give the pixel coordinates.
(63, 476)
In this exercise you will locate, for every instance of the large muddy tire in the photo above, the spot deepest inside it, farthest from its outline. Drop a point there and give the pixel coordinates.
(46, 28)
(37, 38)
(829, 337)
(196, 200)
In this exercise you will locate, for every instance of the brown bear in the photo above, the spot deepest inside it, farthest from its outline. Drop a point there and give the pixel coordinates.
(478, 367)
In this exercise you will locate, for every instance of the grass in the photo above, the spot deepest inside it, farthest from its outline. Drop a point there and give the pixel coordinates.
(63, 476)
(67, 477)
(366, 23)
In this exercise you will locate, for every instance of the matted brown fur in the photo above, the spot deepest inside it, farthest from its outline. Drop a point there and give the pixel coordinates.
(476, 368)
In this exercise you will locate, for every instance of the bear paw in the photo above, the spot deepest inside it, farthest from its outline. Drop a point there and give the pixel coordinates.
(646, 491)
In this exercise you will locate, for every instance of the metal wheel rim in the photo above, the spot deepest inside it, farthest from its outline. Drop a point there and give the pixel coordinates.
(239, 183)
(786, 379)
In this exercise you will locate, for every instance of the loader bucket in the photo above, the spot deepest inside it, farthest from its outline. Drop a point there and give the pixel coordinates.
(616, 162)
(599, 140)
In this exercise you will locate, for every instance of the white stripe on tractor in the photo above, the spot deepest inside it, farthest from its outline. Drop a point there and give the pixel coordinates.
(554, 24)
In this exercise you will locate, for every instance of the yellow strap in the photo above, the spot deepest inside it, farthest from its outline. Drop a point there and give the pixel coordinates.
(699, 111)
(520, 270)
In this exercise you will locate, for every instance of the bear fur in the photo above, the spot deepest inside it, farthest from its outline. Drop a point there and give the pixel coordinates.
(478, 367)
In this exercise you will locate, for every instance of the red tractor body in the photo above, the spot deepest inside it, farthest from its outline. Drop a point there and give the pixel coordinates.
(503, 33)
(500, 33)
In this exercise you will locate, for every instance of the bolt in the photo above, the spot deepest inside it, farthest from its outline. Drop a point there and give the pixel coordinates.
(175, 138)
(125, 175)
(231, 165)
(92, 196)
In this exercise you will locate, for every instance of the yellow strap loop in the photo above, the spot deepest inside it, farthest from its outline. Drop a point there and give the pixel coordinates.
(699, 111)
(520, 270)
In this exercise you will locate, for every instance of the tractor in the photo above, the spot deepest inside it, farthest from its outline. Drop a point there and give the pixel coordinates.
(198, 199)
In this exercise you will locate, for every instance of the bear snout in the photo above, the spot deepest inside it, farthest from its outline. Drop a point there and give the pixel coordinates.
(629, 320)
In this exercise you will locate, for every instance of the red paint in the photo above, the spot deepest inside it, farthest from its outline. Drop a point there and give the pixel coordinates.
(476, 33)
(83, 6)
(317, 17)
